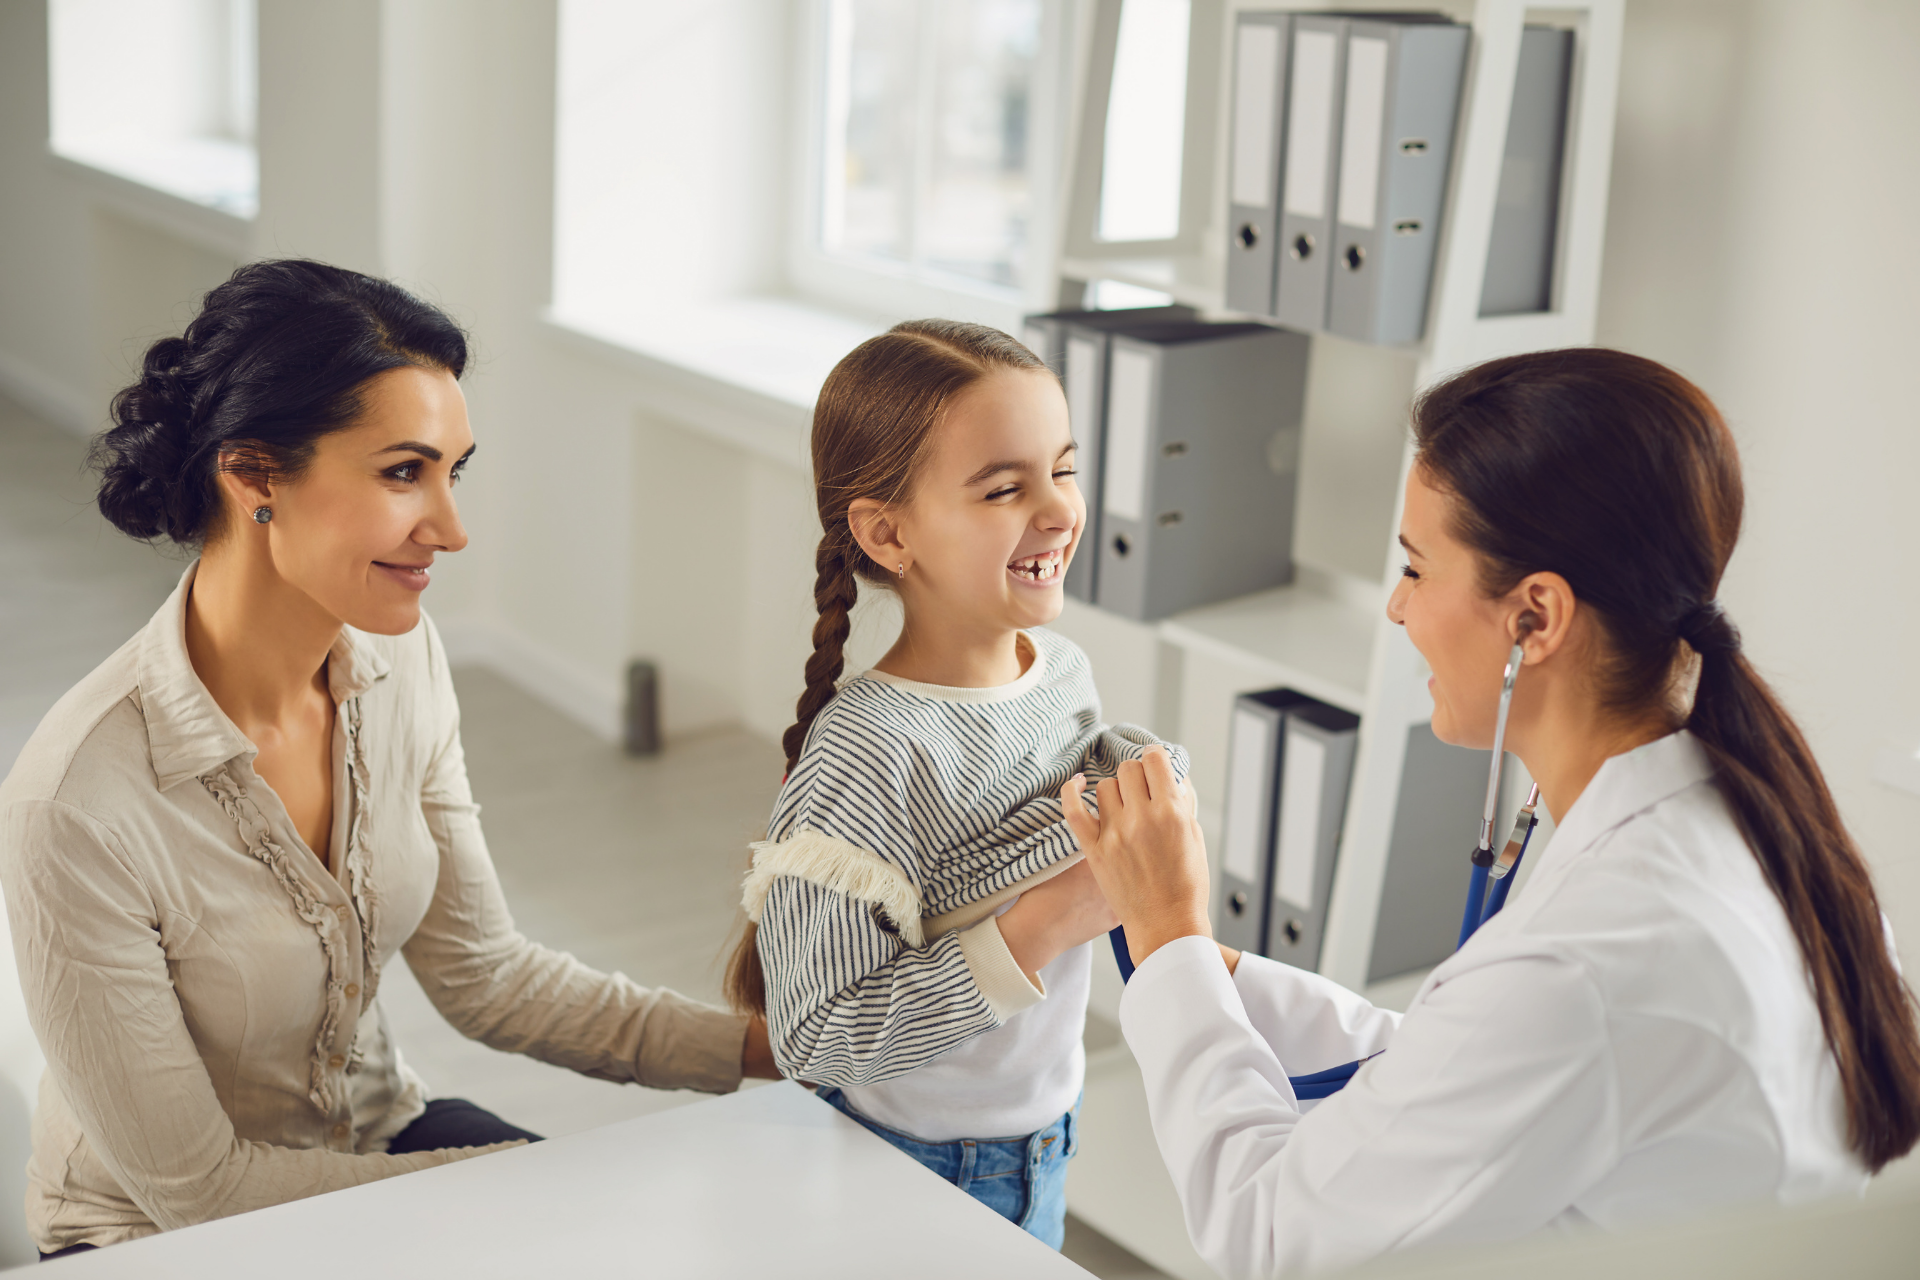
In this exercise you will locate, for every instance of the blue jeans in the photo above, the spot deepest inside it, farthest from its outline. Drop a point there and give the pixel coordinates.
(1024, 1180)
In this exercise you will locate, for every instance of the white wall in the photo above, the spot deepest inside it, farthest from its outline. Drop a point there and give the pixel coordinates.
(1761, 240)
(1758, 241)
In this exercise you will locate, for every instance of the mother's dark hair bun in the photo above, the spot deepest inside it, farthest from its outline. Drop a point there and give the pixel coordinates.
(274, 360)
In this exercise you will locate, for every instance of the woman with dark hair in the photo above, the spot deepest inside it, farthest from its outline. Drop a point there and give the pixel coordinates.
(1694, 1000)
(214, 843)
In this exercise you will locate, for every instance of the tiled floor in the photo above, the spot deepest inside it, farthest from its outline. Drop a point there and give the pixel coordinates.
(629, 864)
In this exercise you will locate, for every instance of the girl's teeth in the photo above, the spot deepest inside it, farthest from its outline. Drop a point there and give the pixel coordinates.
(1039, 568)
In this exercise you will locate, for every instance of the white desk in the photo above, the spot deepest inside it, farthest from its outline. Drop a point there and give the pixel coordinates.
(770, 1182)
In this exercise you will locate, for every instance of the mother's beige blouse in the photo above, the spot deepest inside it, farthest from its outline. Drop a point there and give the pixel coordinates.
(204, 989)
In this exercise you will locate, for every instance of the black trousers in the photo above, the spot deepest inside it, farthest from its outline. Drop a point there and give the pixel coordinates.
(447, 1122)
(455, 1122)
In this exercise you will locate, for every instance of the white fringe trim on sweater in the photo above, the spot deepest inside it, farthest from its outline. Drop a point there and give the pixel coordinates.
(840, 867)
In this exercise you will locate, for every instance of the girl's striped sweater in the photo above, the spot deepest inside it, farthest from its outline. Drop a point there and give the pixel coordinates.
(915, 814)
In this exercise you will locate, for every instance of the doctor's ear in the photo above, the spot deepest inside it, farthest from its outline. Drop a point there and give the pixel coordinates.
(1543, 609)
(876, 527)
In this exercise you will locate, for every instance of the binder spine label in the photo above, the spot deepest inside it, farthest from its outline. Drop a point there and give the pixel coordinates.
(1256, 89)
(1310, 133)
(1247, 796)
(1360, 134)
(1303, 779)
(1304, 256)
(1129, 432)
(1085, 360)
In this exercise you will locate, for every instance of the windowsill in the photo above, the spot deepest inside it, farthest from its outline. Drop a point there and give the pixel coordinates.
(744, 369)
(180, 201)
(218, 173)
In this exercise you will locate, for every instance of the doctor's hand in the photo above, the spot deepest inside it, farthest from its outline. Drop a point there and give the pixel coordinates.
(1146, 851)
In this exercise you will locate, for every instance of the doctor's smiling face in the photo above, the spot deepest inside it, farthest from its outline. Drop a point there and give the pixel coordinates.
(1464, 634)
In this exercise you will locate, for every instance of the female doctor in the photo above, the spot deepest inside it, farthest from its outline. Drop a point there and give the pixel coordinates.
(1693, 1001)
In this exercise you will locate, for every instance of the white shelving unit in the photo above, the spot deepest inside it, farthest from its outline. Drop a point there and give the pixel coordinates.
(1311, 638)
(1327, 634)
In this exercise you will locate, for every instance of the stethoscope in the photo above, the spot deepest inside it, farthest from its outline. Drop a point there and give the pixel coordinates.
(1483, 903)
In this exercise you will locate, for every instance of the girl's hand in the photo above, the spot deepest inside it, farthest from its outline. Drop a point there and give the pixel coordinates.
(756, 1054)
(1146, 850)
(1055, 917)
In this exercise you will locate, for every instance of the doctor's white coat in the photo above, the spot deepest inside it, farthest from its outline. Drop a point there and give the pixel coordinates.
(1634, 1037)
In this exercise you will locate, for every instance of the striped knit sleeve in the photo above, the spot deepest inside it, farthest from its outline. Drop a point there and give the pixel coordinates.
(855, 993)
(849, 1002)
(1117, 743)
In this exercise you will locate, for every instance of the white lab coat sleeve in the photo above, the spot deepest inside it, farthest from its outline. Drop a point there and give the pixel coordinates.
(1310, 1022)
(1495, 1107)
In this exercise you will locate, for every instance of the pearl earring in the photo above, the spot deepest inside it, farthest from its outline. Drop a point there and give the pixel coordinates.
(902, 570)
(262, 514)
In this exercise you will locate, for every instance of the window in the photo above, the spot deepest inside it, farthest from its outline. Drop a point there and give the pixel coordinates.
(1146, 122)
(934, 154)
(161, 92)
(924, 159)
(757, 185)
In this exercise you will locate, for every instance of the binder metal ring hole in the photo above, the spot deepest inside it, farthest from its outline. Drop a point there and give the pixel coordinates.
(1413, 146)
(1120, 544)
(1302, 247)
(1407, 227)
(1238, 903)
(1293, 931)
(1249, 235)
(1168, 519)
(1174, 449)
(1354, 257)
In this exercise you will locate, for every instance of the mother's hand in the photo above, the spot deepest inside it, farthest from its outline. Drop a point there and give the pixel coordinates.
(1146, 850)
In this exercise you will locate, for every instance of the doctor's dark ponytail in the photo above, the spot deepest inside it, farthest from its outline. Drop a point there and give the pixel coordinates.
(873, 427)
(1632, 493)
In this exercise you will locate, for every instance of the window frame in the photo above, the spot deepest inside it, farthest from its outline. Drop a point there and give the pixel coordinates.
(167, 189)
(875, 285)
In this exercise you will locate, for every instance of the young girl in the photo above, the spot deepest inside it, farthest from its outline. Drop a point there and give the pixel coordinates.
(921, 911)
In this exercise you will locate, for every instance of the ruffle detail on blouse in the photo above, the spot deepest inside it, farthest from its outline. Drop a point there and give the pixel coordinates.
(258, 838)
(360, 885)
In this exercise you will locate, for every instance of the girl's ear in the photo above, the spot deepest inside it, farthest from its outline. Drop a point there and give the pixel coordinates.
(878, 532)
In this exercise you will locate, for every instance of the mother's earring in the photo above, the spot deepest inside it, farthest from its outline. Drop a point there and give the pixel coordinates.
(262, 514)
(902, 570)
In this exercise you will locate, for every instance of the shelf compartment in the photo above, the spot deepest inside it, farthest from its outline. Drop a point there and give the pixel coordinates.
(1305, 636)
(1194, 279)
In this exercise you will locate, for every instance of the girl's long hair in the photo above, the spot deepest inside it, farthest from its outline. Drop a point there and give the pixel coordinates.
(873, 427)
(1619, 475)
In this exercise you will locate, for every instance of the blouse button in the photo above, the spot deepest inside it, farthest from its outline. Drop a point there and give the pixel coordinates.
(353, 989)
(340, 1131)
(337, 1061)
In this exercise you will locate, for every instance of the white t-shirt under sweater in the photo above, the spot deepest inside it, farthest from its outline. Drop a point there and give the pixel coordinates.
(915, 814)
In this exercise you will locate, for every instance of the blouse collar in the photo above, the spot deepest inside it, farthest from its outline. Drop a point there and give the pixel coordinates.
(187, 732)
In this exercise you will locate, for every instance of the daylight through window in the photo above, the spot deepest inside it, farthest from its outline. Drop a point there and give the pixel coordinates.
(926, 146)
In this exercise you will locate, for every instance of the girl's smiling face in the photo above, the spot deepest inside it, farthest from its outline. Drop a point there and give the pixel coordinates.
(996, 513)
